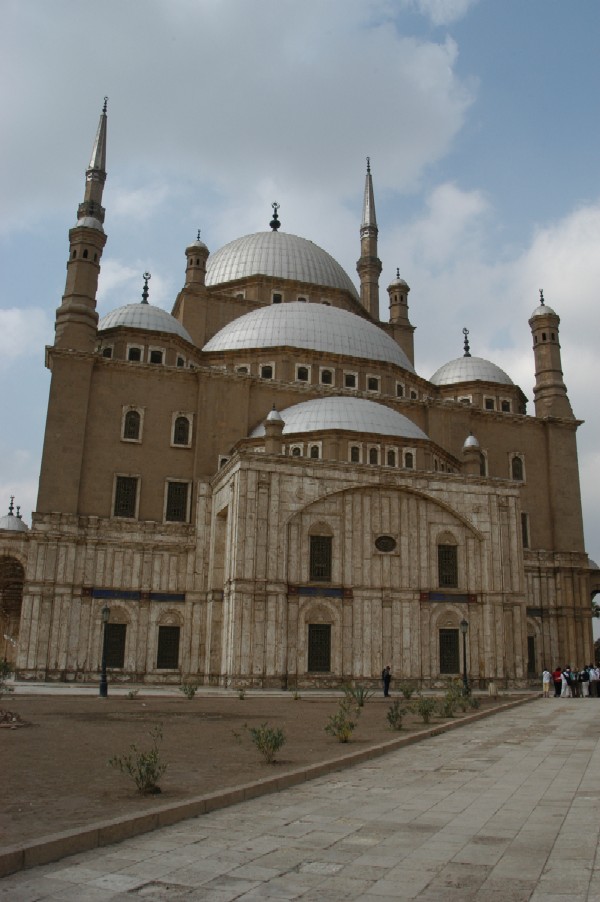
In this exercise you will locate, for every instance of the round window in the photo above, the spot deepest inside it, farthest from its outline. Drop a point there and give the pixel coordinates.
(385, 543)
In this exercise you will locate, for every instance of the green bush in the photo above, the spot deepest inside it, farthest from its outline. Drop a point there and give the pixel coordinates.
(241, 694)
(5, 672)
(268, 740)
(358, 694)
(395, 714)
(189, 689)
(447, 705)
(425, 708)
(133, 693)
(340, 724)
(407, 691)
(145, 768)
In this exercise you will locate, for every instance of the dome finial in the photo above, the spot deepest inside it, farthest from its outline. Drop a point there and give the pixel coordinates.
(198, 235)
(368, 164)
(11, 506)
(542, 302)
(104, 108)
(397, 272)
(145, 292)
(275, 221)
(467, 348)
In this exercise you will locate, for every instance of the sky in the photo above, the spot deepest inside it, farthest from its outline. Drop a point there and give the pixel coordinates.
(480, 118)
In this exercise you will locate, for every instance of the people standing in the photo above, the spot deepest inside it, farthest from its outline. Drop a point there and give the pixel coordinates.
(584, 682)
(556, 678)
(386, 676)
(566, 691)
(546, 679)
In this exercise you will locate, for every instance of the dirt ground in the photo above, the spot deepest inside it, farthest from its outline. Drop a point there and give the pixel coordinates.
(56, 774)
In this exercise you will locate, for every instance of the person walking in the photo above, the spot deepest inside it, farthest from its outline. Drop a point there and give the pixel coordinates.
(386, 676)
(546, 680)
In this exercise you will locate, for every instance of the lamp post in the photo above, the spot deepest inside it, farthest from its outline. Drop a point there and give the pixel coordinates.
(464, 626)
(103, 680)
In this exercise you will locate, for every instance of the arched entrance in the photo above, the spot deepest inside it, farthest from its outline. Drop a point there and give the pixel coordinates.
(11, 599)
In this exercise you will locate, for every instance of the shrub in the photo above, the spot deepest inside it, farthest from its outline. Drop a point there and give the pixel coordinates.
(268, 740)
(145, 768)
(241, 694)
(340, 724)
(296, 696)
(395, 714)
(5, 672)
(447, 705)
(357, 694)
(189, 689)
(407, 691)
(425, 708)
(133, 693)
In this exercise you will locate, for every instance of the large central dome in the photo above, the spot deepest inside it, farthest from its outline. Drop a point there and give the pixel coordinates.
(316, 327)
(280, 255)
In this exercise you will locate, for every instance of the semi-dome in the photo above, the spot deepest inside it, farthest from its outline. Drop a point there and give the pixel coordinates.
(470, 369)
(12, 523)
(317, 327)
(350, 414)
(280, 255)
(146, 317)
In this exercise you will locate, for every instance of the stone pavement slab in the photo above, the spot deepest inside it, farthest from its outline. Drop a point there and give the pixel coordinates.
(503, 810)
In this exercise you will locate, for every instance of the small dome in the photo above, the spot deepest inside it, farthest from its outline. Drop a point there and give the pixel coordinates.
(10, 523)
(398, 282)
(280, 255)
(274, 416)
(89, 222)
(316, 327)
(146, 317)
(543, 310)
(470, 369)
(471, 443)
(349, 414)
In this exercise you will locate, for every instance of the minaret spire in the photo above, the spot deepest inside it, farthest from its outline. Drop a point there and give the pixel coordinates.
(76, 318)
(369, 264)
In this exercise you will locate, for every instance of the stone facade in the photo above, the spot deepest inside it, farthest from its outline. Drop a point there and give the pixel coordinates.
(273, 511)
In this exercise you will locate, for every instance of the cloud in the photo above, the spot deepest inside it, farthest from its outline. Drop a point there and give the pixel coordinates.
(22, 333)
(443, 12)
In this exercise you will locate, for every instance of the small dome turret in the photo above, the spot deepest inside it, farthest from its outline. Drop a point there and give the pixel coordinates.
(13, 522)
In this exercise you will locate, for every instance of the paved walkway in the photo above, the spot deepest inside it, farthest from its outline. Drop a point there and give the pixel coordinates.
(503, 810)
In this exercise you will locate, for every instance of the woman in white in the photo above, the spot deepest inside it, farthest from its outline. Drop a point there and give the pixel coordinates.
(565, 692)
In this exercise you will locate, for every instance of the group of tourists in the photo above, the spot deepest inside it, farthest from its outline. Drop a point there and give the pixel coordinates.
(568, 683)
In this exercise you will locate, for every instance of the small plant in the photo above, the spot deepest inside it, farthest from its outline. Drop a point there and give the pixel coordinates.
(133, 693)
(145, 768)
(340, 724)
(296, 696)
(5, 672)
(268, 740)
(473, 703)
(395, 714)
(358, 694)
(241, 694)
(447, 705)
(189, 689)
(407, 691)
(425, 708)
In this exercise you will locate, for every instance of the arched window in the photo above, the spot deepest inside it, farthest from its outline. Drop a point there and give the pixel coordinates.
(448, 566)
(131, 426)
(327, 377)
(409, 460)
(373, 456)
(516, 468)
(391, 458)
(314, 452)
(296, 451)
(302, 374)
(355, 454)
(181, 431)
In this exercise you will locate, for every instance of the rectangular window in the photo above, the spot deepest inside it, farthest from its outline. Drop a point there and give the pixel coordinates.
(349, 380)
(125, 496)
(114, 637)
(448, 566)
(449, 656)
(177, 502)
(490, 404)
(319, 647)
(168, 648)
(372, 383)
(525, 529)
(320, 558)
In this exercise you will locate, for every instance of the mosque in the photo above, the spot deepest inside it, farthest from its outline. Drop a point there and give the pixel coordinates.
(259, 489)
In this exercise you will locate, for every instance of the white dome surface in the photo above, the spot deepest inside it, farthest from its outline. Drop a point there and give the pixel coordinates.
(350, 414)
(13, 524)
(470, 369)
(317, 327)
(145, 317)
(542, 310)
(280, 255)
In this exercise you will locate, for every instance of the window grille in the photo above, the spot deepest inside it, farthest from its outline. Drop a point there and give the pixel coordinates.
(372, 383)
(302, 374)
(134, 354)
(320, 558)
(391, 458)
(355, 454)
(409, 461)
(181, 431)
(373, 456)
(449, 655)
(448, 566)
(319, 647)
(517, 469)
(114, 637)
(266, 372)
(349, 380)
(327, 377)
(156, 356)
(314, 452)
(177, 498)
(131, 426)
(125, 496)
(168, 648)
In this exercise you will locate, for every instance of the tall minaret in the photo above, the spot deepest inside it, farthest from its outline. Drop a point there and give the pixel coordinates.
(369, 264)
(76, 318)
(550, 392)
